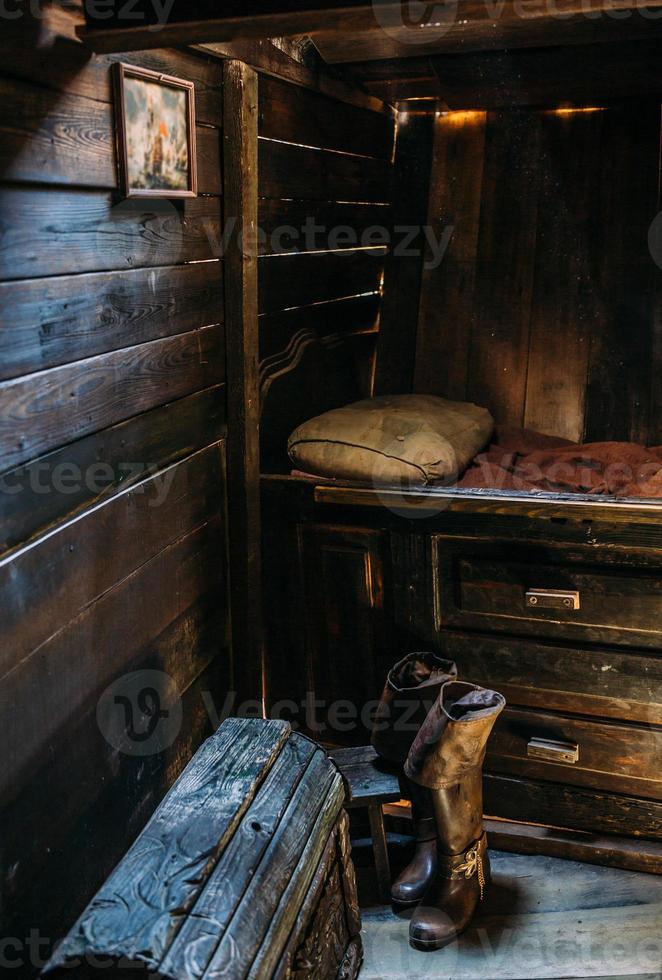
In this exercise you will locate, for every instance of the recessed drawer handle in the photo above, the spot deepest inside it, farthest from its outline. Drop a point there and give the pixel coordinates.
(552, 599)
(551, 751)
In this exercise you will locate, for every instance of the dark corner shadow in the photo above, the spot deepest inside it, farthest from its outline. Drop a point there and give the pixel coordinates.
(44, 54)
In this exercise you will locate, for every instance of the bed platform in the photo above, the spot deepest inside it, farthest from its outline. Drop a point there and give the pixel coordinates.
(554, 601)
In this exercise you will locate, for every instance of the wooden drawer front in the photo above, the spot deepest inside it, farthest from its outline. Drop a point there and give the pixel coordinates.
(483, 588)
(605, 756)
(624, 685)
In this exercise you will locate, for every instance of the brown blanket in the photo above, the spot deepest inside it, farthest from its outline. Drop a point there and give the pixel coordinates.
(520, 459)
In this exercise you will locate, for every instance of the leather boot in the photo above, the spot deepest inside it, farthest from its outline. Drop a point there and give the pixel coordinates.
(412, 688)
(447, 758)
(411, 885)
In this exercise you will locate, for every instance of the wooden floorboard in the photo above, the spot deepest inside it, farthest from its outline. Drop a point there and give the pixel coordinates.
(544, 919)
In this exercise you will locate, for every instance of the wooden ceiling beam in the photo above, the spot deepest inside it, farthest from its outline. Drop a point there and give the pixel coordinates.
(116, 25)
(579, 75)
(363, 30)
(488, 25)
(546, 77)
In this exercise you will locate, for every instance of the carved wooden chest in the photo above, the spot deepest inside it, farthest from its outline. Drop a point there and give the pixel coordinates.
(244, 870)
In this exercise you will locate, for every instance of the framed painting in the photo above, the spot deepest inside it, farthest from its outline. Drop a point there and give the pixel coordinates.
(155, 134)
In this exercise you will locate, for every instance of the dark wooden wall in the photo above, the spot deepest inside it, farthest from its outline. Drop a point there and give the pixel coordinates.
(324, 159)
(546, 308)
(112, 449)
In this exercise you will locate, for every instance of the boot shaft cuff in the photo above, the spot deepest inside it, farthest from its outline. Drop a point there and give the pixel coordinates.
(412, 688)
(453, 738)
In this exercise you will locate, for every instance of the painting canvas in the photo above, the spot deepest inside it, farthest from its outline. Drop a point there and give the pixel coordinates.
(157, 134)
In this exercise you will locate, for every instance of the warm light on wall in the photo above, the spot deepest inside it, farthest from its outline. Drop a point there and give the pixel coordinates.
(463, 117)
(572, 112)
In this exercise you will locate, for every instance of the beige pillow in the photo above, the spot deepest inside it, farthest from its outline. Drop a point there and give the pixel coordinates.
(397, 439)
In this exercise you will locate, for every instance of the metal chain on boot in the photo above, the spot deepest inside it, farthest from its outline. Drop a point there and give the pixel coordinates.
(467, 865)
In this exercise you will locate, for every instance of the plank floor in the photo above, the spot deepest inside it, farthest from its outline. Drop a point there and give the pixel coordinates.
(544, 919)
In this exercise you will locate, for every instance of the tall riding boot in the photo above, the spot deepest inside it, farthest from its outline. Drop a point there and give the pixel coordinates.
(412, 688)
(447, 758)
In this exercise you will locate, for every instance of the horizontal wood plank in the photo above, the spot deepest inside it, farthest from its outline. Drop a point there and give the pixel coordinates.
(606, 683)
(54, 138)
(46, 584)
(571, 806)
(42, 411)
(277, 330)
(106, 804)
(293, 114)
(48, 322)
(288, 281)
(65, 65)
(299, 173)
(48, 232)
(484, 28)
(57, 486)
(61, 685)
(307, 226)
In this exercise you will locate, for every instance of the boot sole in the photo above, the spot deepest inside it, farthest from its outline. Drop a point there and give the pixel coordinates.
(430, 945)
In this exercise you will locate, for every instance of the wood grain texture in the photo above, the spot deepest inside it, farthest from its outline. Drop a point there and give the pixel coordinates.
(241, 310)
(50, 232)
(543, 917)
(199, 936)
(619, 380)
(42, 52)
(576, 807)
(287, 281)
(55, 578)
(295, 115)
(605, 683)
(402, 274)
(49, 409)
(205, 806)
(618, 602)
(107, 462)
(311, 226)
(301, 173)
(246, 864)
(368, 782)
(293, 865)
(70, 139)
(478, 29)
(563, 321)
(505, 265)
(63, 682)
(45, 323)
(447, 312)
(110, 804)
(530, 313)
(613, 757)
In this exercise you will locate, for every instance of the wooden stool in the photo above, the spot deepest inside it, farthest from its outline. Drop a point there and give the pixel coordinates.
(370, 787)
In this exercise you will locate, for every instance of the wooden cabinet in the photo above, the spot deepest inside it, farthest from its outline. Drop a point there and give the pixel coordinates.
(346, 595)
(580, 744)
(579, 594)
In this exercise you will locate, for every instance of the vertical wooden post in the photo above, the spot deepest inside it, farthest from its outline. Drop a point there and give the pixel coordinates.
(396, 347)
(240, 131)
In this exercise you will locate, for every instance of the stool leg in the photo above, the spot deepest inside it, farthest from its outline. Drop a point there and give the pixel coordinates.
(380, 851)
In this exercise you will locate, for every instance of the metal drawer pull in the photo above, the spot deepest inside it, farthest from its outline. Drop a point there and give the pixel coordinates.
(552, 599)
(551, 751)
